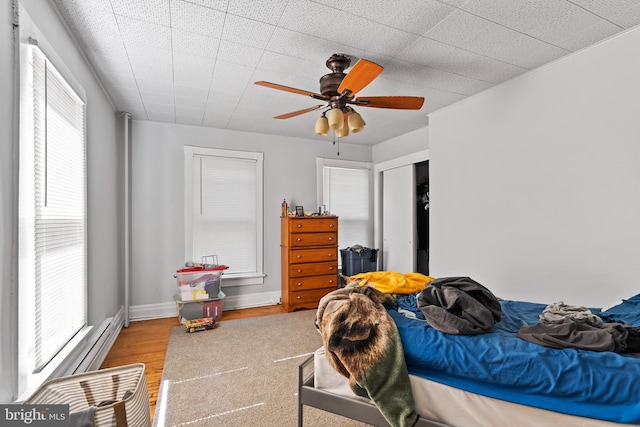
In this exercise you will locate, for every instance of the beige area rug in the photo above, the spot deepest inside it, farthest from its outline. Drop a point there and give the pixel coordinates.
(242, 373)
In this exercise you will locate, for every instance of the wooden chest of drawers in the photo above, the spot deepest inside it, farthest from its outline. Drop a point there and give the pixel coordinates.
(309, 247)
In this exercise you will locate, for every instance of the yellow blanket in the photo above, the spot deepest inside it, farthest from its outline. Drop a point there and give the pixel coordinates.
(392, 282)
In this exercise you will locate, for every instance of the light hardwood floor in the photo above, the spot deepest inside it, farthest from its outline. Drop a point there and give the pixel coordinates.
(146, 342)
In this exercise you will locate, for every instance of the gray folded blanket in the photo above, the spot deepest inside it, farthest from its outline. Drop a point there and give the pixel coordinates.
(459, 305)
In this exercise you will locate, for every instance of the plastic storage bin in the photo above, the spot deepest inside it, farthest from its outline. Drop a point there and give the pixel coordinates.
(119, 396)
(197, 283)
(191, 310)
(361, 261)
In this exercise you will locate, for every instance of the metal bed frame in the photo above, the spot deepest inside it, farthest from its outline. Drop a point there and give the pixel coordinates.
(358, 410)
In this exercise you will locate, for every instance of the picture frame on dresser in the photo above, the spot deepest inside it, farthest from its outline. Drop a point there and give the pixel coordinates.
(299, 211)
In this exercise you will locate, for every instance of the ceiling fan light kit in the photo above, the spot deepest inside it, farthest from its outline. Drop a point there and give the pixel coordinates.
(343, 132)
(338, 90)
(322, 126)
(356, 124)
(336, 119)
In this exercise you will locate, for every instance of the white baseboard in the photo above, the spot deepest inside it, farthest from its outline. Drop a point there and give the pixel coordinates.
(168, 309)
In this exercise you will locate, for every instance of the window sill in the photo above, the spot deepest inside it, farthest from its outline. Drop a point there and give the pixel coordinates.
(242, 279)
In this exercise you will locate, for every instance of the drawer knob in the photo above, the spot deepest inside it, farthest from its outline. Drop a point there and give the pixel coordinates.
(299, 297)
(299, 256)
(299, 284)
(300, 226)
(330, 268)
(330, 225)
(299, 271)
(299, 239)
(330, 254)
(330, 238)
(330, 281)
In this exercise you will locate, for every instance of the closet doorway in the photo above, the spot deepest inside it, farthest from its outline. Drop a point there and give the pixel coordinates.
(398, 185)
(422, 217)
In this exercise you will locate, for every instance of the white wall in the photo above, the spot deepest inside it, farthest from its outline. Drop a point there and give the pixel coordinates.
(402, 145)
(103, 179)
(157, 206)
(535, 184)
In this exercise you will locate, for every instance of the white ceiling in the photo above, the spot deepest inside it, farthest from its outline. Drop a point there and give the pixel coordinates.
(195, 61)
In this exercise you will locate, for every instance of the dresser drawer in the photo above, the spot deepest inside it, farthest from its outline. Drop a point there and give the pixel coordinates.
(308, 298)
(313, 269)
(298, 256)
(315, 282)
(314, 225)
(312, 239)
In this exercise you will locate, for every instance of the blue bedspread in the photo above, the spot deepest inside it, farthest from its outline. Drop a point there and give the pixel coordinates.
(601, 385)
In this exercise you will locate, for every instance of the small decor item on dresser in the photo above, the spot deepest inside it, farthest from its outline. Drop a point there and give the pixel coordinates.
(299, 211)
(202, 324)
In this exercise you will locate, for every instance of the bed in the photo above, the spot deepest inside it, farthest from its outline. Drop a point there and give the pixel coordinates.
(495, 378)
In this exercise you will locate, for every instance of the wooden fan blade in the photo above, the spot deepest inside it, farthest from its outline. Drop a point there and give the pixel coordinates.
(297, 113)
(363, 73)
(291, 89)
(397, 102)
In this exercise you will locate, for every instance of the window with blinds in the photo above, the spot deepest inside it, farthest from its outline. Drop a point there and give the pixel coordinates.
(52, 261)
(223, 199)
(346, 192)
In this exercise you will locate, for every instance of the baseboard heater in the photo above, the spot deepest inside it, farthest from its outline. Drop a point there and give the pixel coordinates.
(97, 345)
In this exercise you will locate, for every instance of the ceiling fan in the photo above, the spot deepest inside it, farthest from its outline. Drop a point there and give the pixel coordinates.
(338, 90)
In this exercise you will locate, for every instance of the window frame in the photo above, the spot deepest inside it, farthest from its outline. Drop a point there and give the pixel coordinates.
(231, 279)
(31, 376)
(322, 163)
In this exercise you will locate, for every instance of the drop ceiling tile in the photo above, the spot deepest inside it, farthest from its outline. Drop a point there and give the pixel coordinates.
(192, 17)
(457, 28)
(591, 35)
(78, 5)
(152, 98)
(454, 3)
(194, 43)
(272, 61)
(183, 110)
(191, 120)
(629, 18)
(189, 70)
(268, 11)
(293, 43)
(534, 59)
(301, 16)
(246, 31)
(198, 103)
(452, 82)
(161, 116)
(191, 92)
(154, 11)
(504, 44)
(156, 107)
(413, 16)
(144, 36)
(547, 20)
(606, 8)
(151, 85)
(236, 53)
(221, 5)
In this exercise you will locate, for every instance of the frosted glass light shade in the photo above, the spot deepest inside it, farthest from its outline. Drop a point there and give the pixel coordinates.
(322, 126)
(343, 131)
(356, 124)
(336, 118)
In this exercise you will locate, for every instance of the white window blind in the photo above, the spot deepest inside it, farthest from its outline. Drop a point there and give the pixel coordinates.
(226, 209)
(52, 212)
(346, 193)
